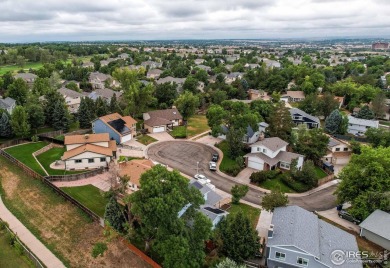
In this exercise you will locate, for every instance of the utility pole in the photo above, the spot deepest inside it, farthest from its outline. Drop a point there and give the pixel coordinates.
(197, 167)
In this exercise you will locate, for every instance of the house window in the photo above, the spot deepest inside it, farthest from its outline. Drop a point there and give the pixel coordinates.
(345, 149)
(91, 160)
(264, 150)
(297, 117)
(77, 161)
(102, 159)
(302, 261)
(337, 149)
(284, 165)
(280, 255)
(258, 149)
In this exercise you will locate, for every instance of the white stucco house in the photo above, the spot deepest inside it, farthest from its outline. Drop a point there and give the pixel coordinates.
(88, 151)
(269, 153)
(358, 126)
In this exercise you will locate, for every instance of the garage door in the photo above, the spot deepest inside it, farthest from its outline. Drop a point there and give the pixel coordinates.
(255, 165)
(126, 138)
(342, 161)
(158, 129)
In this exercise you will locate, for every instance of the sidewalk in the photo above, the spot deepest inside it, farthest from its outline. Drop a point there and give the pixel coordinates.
(40, 250)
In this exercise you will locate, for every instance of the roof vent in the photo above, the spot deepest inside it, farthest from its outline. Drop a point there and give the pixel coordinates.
(271, 231)
(86, 136)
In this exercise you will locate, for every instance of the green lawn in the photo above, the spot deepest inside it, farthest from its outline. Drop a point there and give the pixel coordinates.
(320, 173)
(386, 123)
(197, 124)
(51, 156)
(179, 132)
(9, 257)
(276, 184)
(24, 154)
(252, 212)
(14, 68)
(145, 139)
(89, 196)
(228, 163)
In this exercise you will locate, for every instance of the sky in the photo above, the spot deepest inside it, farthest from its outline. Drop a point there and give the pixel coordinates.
(89, 20)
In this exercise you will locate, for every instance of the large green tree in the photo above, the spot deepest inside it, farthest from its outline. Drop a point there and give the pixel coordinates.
(334, 123)
(365, 181)
(187, 103)
(18, 90)
(365, 113)
(61, 117)
(86, 112)
(5, 124)
(273, 200)
(114, 215)
(312, 143)
(19, 122)
(36, 115)
(280, 122)
(166, 93)
(239, 240)
(41, 86)
(378, 137)
(238, 192)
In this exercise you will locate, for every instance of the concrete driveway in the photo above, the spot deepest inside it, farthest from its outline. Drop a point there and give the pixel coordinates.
(162, 136)
(209, 140)
(184, 155)
(244, 175)
(332, 215)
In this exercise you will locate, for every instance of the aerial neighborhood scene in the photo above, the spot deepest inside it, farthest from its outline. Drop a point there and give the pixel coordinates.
(221, 134)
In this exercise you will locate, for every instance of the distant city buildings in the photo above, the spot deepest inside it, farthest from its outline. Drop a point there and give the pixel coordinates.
(380, 45)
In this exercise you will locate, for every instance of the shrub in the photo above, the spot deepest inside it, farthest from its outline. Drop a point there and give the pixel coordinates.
(99, 249)
(262, 176)
(233, 170)
(290, 182)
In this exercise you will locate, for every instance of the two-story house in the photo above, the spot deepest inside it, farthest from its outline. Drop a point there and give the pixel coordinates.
(72, 99)
(120, 128)
(299, 117)
(29, 78)
(162, 120)
(230, 78)
(99, 80)
(358, 126)
(8, 104)
(251, 135)
(297, 238)
(88, 151)
(338, 152)
(270, 153)
(293, 96)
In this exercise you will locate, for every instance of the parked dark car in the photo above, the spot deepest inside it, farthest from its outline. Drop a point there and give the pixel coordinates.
(215, 158)
(345, 215)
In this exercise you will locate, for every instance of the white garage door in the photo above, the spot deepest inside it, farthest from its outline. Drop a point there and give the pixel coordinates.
(126, 138)
(342, 161)
(158, 129)
(255, 165)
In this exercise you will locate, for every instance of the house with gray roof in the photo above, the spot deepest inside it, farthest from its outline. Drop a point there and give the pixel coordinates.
(162, 120)
(300, 117)
(251, 135)
(204, 67)
(8, 104)
(29, 78)
(72, 99)
(270, 153)
(98, 80)
(358, 126)
(298, 238)
(230, 78)
(376, 228)
(105, 93)
(154, 73)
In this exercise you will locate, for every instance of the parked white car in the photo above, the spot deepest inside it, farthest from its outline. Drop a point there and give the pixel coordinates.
(213, 166)
(202, 178)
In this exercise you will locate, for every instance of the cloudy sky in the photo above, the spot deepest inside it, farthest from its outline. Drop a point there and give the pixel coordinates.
(74, 20)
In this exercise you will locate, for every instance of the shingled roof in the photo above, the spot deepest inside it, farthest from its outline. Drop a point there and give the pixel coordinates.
(273, 143)
(87, 148)
(87, 138)
(161, 117)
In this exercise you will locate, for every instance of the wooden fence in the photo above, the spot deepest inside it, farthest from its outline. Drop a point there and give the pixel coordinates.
(13, 143)
(74, 177)
(51, 134)
(25, 168)
(326, 179)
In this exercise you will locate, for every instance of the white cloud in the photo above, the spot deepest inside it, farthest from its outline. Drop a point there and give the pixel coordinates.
(25, 20)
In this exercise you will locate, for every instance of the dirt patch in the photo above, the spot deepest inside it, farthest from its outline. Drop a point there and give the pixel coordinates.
(61, 226)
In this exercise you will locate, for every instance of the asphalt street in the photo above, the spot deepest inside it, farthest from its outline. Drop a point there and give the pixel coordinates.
(184, 155)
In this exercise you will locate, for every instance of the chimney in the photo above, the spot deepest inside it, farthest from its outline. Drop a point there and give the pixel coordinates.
(86, 136)
(271, 231)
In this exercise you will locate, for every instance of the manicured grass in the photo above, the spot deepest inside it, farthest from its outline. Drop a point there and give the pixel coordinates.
(146, 139)
(60, 137)
(320, 173)
(14, 68)
(179, 132)
(386, 123)
(252, 212)
(197, 124)
(227, 163)
(89, 196)
(42, 130)
(9, 257)
(24, 154)
(276, 184)
(50, 157)
(127, 158)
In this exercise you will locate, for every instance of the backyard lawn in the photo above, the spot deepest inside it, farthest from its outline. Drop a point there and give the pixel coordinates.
(320, 173)
(51, 156)
(197, 124)
(228, 163)
(89, 196)
(9, 257)
(252, 212)
(62, 227)
(145, 139)
(276, 184)
(24, 154)
(179, 132)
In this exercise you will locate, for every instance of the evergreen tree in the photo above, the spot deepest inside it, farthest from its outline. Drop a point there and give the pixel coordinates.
(5, 125)
(19, 122)
(36, 115)
(365, 113)
(333, 122)
(240, 240)
(51, 99)
(101, 107)
(280, 122)
(114, 215)
(86, 112)
(61, 118)
(114, 105)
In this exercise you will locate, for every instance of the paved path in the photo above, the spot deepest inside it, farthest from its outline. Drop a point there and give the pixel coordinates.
(183, 156)
(36, 246)
(333, 215)
(100, 181)
(199, 135)
(264, 223)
